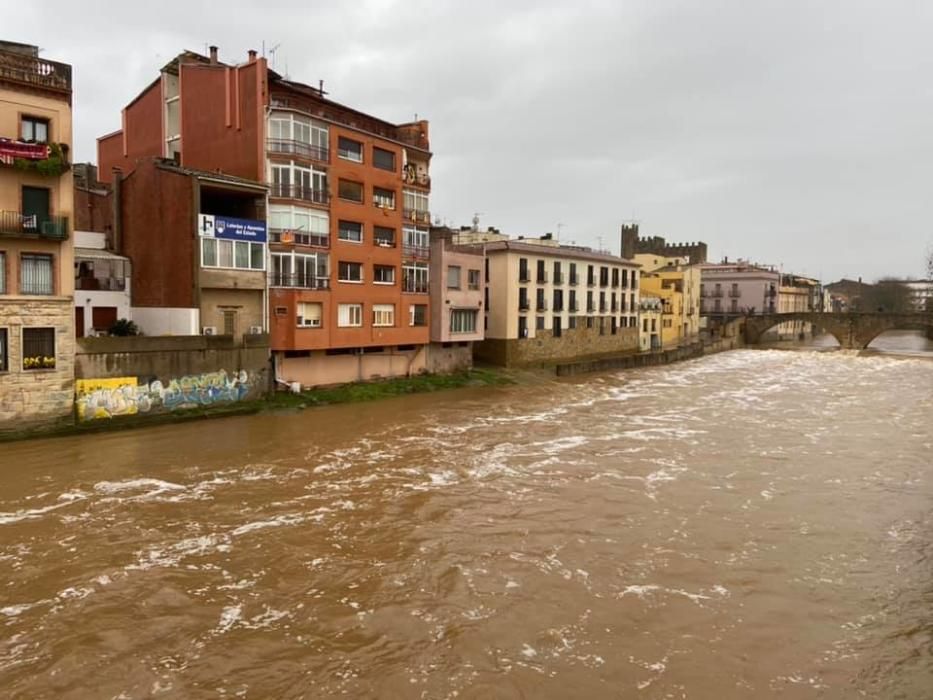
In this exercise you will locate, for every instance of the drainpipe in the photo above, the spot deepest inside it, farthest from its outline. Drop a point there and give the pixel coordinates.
(117, 202)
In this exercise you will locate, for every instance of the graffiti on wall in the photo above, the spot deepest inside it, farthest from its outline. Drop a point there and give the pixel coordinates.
(125, 396)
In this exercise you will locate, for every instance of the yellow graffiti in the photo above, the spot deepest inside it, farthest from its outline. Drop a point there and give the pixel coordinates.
(104, 398)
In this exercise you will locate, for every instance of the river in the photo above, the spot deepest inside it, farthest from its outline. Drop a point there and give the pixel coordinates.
(753, 524)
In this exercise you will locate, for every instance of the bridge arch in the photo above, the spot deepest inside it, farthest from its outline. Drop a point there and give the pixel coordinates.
(851, 330)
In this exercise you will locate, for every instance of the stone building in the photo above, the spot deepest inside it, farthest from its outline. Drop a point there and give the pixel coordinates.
(633, 245)
(36, 247)
(548, 303)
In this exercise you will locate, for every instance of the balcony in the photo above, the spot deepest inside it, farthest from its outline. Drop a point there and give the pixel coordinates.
(35, 72)
(298, 148)
(590, 281)
(414, 286)
(418, 216)
(602, 307)
(590, 307)
(573, 307)
(524, 277)
(299, 281)
(416, 252)
(12, 223)
(523, 305)
(101, 284)
(735, 293)
(292, 237)
(411, 177)
(384, 241)
(542, 277)
(305, 194)
(574, 280)
(558, 278)
(541, 305)
(716, 293)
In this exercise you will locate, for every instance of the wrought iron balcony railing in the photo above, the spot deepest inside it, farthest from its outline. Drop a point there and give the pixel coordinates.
(277, 189)
(13, 223)
(298, 148)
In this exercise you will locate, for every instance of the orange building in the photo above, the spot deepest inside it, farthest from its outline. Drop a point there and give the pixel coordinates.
(347, 209)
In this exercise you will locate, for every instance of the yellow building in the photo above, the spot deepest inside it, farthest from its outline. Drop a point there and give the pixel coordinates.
(36, 250)
(677, 284)
(651, 321)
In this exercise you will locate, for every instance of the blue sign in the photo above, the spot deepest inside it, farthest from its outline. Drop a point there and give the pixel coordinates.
(211, 226)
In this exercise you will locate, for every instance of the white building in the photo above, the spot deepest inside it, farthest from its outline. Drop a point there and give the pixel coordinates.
(102, 285)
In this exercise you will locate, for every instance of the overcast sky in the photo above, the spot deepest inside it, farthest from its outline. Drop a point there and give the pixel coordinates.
(789, 132)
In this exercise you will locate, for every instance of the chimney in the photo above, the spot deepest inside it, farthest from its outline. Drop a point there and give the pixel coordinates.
(252, 55)
(213, 55)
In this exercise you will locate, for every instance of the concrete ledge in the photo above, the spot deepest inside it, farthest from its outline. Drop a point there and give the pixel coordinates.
(167, 343)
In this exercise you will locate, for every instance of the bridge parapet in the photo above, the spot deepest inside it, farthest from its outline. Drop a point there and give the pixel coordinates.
(853, 330)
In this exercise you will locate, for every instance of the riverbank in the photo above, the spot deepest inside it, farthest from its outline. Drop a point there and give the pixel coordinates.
(278, 401)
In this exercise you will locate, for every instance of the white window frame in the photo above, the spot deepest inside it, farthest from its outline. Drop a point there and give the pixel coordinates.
(349, 315)
(415, 200)
(218, 243)
(383, 315)
(376, 280)
(350, 281)
(411, 315)
(341, 155)
(458, 320)
(340, 236)
(382, 201)
(303, 320)
(415, 236)
(454, 274)
(419, 272)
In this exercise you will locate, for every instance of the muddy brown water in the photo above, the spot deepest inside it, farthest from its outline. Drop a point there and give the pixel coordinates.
(752, 524)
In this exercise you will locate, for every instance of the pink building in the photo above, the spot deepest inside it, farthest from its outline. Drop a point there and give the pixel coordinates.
(456, 279)
(738, 288)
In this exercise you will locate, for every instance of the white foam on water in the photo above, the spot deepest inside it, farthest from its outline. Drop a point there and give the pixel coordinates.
(229, 617)
(639, 590)
(277, 521)
(65, 500)
(529, 651)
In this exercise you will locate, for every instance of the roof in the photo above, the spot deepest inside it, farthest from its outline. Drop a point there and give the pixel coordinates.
(98, 254)
(207, 175)
(555, 252)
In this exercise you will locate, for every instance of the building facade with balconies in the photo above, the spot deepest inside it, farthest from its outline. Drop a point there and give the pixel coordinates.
(547, 302)
(677, 283)
(737, 289)
(347, 209)
(36, 246)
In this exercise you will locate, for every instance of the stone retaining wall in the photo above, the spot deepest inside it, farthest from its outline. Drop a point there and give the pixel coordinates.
(545, 349)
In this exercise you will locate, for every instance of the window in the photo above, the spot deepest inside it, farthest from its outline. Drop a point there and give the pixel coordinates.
(573, 301)
(558, 300)
(418, 315)
(2, 273)
(415, 204)
(590, 276)
(523, 270)
(229, 316)
(473, 276)
(308, 226)
(453, 277)
(384, 237)
(573, 273)
(383, 274)
(540, 301)
(603, 276)
(602, 302)
(384, 199)
(644, 325)
(556, 326)
(539, 323)
(350, 315)
(236, 255)
(383, 159)
(572, 323)
(522, 326)
(542, 273)
(624, 278)
(415, 277)
(351, 231)
(4, 350)
(36, 274)
(383, 315)
(348, 149)
(300, 270)
(349, 190)
(350, 272)
(309, 314)
(463, 320)
(523, 298)
(38, 348)
(293, 134)
(34, 129)
(590, 308)
(416, 238)
(615, 277)
(558, 277)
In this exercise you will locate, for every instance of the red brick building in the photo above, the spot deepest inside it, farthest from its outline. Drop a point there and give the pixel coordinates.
(347, 208)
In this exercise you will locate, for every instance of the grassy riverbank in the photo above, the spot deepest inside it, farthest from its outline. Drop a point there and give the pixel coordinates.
(345, 393)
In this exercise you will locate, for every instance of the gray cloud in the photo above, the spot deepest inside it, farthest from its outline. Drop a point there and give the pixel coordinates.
(789, 132)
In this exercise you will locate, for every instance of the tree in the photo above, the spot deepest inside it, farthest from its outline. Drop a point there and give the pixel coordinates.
(887, 295)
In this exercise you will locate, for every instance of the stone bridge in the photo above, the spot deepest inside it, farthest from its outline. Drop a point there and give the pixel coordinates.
(854, 331)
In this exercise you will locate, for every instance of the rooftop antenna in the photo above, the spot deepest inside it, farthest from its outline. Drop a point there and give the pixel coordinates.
(272, 52)
(559, 227)
(600, 243)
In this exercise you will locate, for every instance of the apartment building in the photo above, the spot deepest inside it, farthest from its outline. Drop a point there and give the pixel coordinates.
(457, 293)
(677, 283)
(650, 318)
(547, 302)
(795, 294)
(737, 288)
(347, 208)
(36, 246)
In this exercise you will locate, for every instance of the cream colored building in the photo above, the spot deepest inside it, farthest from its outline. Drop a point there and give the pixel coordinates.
(796, 294)
(649, 330)
(549, 302)
(36, 247)
(678, 285)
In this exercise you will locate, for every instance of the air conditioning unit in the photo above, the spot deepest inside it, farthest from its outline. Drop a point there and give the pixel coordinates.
(255, 330)
(209, 330)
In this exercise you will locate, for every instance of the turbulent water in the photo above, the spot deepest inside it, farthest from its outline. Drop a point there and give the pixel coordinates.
(752, 524)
